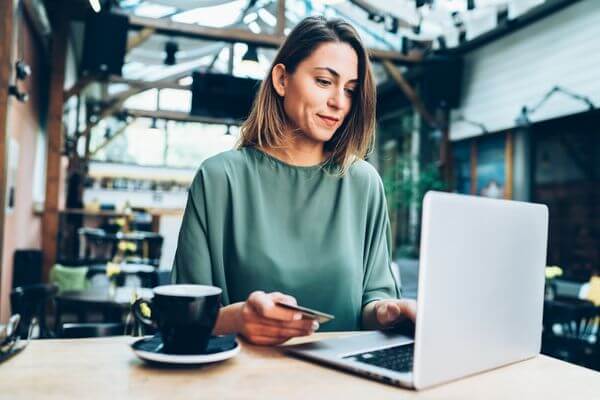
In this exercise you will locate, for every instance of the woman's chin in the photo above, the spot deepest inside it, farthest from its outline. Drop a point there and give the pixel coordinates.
(321, 135)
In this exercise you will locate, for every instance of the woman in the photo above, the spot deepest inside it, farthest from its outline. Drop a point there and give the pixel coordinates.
(294, 213)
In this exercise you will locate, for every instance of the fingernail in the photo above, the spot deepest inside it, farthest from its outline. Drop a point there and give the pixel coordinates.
(315, 325)
(297, 316)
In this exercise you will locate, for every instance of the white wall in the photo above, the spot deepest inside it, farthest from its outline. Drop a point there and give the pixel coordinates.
(519, 69)
(169, 229)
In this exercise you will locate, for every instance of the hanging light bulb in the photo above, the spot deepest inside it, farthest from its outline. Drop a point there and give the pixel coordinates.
(95, 5)
(154, 127)
(171, 49)
(250, 58)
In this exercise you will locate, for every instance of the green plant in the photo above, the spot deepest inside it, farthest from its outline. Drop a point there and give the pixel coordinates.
(405, 190)
(404, 187)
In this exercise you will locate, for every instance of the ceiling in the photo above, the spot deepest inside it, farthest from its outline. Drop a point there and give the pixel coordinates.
(383, 24)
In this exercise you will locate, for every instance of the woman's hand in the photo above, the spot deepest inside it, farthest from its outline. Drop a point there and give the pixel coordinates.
(390, 312)
(261, 321)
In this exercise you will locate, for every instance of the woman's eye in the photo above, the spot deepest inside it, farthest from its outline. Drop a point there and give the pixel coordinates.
(323, 82)
(349, 91)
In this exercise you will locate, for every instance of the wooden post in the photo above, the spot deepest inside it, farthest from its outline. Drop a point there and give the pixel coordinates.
(6, 39)
(446, 161)
(474, 166)
(508, 166)
(280, 29)
(50, 218)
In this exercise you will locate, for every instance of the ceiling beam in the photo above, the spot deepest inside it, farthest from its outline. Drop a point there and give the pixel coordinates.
(139, 39)
(108, 141)
(145, 85)
(78, 87)
(180, 116)
(233, 35)
(116, 103)
(510, 26)
(396, 75)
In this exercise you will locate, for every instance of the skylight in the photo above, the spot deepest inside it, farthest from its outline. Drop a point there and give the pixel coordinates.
(151, 10)
(215, 16)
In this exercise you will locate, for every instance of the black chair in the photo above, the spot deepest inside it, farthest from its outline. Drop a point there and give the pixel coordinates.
(150, 279)
(90, 330)
(97, 245)
(152, 248)
(27, 267)
(570, 333)
(30, 301)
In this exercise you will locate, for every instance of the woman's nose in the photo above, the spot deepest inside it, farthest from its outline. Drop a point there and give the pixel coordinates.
(336, 100)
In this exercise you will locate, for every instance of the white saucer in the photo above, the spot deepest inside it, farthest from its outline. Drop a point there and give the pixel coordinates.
(150, 349)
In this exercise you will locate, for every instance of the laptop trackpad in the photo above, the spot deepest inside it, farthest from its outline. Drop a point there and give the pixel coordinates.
(341, 347)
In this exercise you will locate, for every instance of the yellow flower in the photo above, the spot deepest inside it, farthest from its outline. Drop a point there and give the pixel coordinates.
(145, 310)
(120, 221)
(553, 271)
(112, 269)
(125, 245)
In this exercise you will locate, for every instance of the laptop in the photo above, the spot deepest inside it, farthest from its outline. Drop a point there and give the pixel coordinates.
(480, 297)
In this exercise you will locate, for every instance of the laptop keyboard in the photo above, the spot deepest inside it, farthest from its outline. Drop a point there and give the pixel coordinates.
(397, 358)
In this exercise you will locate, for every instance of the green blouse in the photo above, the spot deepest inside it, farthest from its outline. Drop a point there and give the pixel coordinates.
(253, 222)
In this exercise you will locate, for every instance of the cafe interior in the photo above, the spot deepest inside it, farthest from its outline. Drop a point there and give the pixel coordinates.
(109, 107)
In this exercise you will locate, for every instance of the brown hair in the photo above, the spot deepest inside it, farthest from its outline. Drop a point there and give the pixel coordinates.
(266, 124)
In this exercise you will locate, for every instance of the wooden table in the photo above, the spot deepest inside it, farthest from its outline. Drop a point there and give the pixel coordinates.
(107, 369)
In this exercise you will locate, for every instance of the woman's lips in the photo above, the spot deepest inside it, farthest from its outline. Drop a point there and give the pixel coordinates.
(329, 121)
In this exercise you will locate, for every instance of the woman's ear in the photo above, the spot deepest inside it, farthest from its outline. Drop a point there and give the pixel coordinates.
(279, 79)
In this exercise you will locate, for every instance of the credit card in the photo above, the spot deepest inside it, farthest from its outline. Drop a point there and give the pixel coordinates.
(308, 313)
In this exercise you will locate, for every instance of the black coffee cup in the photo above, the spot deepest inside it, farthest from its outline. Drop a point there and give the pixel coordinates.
(185, 316)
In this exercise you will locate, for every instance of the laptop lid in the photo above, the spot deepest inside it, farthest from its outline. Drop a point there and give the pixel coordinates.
(481, 283)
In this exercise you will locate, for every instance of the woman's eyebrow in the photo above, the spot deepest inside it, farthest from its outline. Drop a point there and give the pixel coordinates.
(335, 73)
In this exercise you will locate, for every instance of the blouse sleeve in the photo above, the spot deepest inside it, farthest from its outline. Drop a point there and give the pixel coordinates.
(193, 257)
(379, 282)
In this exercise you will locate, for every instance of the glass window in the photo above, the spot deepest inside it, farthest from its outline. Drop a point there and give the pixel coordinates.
(191, 143)
(216, 16)
(175, 100)
(143, 101)
(168, 143)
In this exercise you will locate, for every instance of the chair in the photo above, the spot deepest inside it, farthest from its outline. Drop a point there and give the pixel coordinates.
(152, 248)
(147, 279)
(30, 301)
(89, 330)
(27, 267)
(571, 331)
(96, 245)
(69, 278)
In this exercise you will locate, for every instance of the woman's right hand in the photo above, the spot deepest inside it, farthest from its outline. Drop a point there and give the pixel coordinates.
(262, 322)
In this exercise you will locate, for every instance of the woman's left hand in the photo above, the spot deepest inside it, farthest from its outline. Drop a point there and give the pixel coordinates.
(390, 312)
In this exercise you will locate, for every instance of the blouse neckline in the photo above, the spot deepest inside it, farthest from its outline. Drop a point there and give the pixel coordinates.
(277, 161)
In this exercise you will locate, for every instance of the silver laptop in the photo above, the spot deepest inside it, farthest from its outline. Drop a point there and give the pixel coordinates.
(480, 301)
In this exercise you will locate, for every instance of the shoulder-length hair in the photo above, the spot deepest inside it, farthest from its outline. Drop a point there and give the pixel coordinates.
(267, 122)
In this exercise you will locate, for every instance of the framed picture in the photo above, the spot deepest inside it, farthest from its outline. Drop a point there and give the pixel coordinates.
(483, 166)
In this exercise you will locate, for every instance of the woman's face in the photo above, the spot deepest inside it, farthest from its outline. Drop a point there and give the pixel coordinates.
(317, 97)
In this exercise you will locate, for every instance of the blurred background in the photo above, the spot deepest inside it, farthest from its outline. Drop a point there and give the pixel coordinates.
(108, 107)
